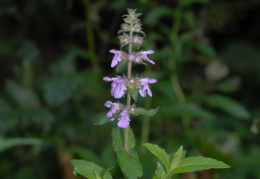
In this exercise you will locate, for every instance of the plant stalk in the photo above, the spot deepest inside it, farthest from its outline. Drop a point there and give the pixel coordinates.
(172, 66)
(129, 74)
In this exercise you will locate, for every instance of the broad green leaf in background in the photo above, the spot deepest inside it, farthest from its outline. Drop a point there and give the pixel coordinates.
(228, 105)
(59, 89)
(193, 164)
(160, 154)
(117, 140)
(65, 65)
(153, 16)
(8, 117)
(129, 164)
(7, 143)
(228, 85)
(23, 97)
(90, 170)
(148, 112)
(186, 110)
(205, 49)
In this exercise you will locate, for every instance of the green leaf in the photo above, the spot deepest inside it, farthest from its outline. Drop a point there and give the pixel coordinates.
(205, 49)
(117, 140)
(160, 170)
(121, 65)
(193, 164)
(59, 89)
(210, 149)
(23, 97)
(8, 117)
(133, 91)
(131, 139)
(228, 105)
(149, 112)
(186, 110)
(103, 120)
(129, 164)
(7, 143)
(106, 172)
(177, 158)
(155, 14)
(89, 169)
(160, 154)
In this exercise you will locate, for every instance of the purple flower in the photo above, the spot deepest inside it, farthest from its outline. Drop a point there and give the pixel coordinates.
(117, 87)
(144, 87)
(117, 57)
(145, 57)
(123, 120)
(114, 107)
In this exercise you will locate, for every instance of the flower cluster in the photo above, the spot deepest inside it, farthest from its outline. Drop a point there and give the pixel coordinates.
(120, 85)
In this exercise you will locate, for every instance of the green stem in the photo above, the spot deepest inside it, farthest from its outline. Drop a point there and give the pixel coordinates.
(172, 65)
(90, 38)
(129, 71)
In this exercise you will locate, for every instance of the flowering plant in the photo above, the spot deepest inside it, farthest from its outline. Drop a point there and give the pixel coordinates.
(129, 86)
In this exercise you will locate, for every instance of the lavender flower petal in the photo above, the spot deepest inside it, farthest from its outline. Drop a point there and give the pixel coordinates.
(114, 107)
(145, 57)
(123, 120)
(117, 57)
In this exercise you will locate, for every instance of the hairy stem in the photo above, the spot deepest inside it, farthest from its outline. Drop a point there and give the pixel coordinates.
(129, 74)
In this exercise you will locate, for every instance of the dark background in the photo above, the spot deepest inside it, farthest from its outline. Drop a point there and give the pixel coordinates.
(54, 54)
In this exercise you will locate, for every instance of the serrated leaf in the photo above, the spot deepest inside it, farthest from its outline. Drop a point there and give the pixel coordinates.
(117, 140)
(131, 139)
(160, 170)
(7, 143)
(210, 149)
(106, 172)
(160, 154)
(149, 112)
(121, 64)
(133, 91)
(177, 158)
(88, 169)
(228, 105)
(193, 164)
(103, 120)
(130, 165)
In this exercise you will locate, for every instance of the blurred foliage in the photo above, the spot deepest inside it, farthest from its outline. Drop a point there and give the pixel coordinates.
(55, 53)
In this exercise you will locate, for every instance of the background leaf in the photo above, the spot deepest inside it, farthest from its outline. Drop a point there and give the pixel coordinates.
(7, 143)
(228, 105)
